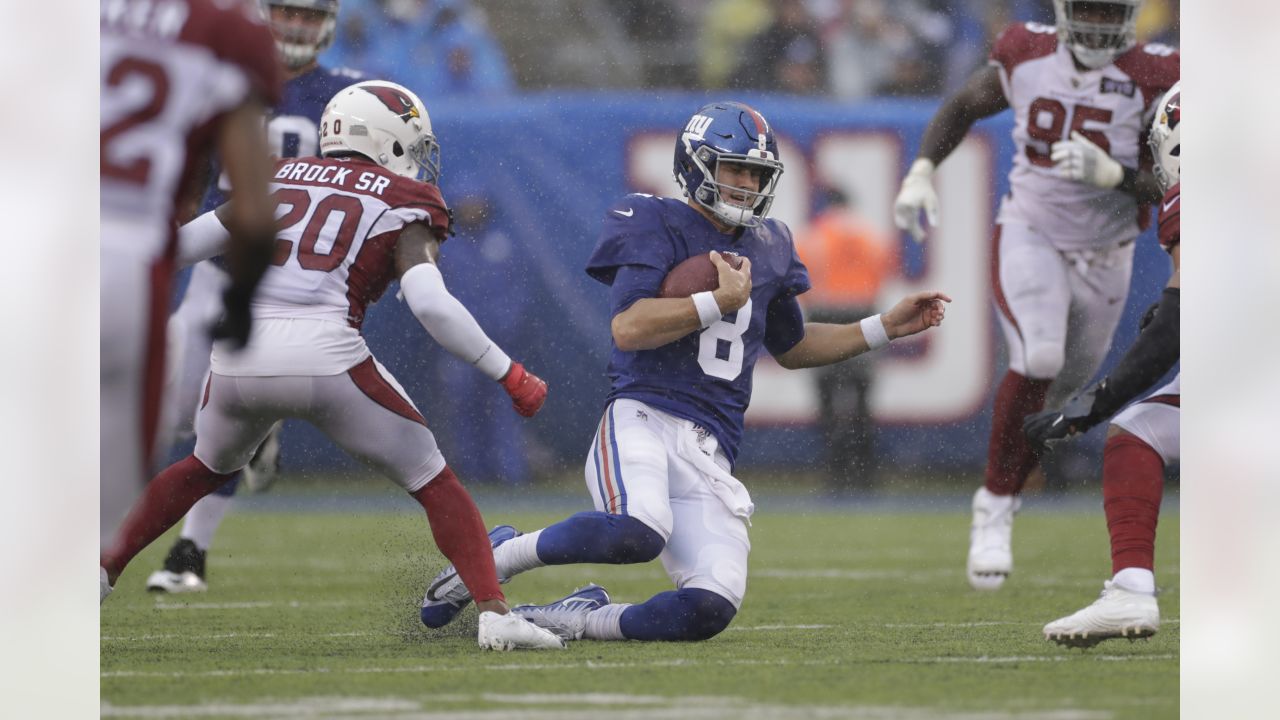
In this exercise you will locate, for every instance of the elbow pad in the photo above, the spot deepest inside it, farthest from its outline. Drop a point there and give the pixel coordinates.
(449, 322)
(1155, 352)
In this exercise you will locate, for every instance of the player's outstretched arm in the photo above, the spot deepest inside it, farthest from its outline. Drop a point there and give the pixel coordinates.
(449, 322)
(982, 96)
(653, 322)
(825, 343)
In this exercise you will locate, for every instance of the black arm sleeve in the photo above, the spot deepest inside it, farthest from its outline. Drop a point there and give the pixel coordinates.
(1153, 354)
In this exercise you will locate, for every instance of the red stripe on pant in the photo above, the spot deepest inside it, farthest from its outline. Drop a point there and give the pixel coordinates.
(371, 383)
(1132, 485)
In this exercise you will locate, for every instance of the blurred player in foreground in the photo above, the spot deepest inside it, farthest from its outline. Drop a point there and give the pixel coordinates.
(178, 79)
(302, 30)
(659, 468)
(1142, 439)
(366, 212)
(1082, 94)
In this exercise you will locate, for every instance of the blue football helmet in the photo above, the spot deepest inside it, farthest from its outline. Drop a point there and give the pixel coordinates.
(728, 132)
(299, 42)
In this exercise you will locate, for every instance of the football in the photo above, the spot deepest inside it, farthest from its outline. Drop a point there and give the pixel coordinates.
(694, 275)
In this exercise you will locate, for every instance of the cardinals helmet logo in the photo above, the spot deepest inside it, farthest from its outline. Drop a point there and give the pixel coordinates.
(396, 101)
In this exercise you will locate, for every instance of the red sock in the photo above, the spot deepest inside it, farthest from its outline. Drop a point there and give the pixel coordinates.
(1132, 484)
(459, 532)
(167, 498)
(1009, 458)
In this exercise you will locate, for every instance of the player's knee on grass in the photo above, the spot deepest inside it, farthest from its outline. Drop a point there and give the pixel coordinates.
(690, 614)
(598, 537)
(1044, 360)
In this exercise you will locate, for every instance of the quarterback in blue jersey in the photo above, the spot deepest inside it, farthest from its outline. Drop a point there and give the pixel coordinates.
(660, 466)
(302, 29)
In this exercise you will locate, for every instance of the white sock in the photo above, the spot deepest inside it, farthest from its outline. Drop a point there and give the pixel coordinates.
(204, 518)
(605, 623)
(1139, 580)
(517, 555)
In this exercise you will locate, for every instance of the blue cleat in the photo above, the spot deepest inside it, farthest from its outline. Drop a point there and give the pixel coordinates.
(447, 594)
(566, 618)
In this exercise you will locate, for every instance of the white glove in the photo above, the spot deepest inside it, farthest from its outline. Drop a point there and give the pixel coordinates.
(916, 194)
(1080, 160)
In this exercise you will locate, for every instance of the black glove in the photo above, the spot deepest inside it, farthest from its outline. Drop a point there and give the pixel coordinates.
(1077, 416)
(237, 319)
(1148, 315)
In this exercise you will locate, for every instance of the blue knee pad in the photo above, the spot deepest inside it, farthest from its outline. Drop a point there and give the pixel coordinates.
(597, 537)
(689, 614)
(229, 487)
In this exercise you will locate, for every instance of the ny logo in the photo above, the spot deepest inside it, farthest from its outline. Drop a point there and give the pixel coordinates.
(697, 126)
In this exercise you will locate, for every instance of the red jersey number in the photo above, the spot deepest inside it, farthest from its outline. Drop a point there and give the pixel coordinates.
(1047, 123)
(156, 80)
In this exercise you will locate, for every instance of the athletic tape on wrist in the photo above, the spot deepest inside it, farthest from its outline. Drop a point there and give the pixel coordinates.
(873, 332)
(708, 308)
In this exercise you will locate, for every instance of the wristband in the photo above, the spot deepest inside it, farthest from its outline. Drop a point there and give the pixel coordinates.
(708, 308)
(873, 332)
(922, 167)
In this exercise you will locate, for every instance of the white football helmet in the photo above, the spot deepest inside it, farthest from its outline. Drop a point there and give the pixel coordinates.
(1093, 42)
(299, 41)
(1165, 139)
(386, 123)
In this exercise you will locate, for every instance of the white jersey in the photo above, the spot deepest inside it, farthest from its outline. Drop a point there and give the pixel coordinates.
(340, 219)
(168, 71)
(1051, 98)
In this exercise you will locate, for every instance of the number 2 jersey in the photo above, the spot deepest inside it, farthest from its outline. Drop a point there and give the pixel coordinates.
(704, 376)
(1111, 106)
(170, 71)
(339, 220)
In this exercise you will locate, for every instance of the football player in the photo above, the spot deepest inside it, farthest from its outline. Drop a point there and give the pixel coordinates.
(302, 29)
(659, 469)
(177, 81)
(1142, 439)
(364, 213)
(1083, 94)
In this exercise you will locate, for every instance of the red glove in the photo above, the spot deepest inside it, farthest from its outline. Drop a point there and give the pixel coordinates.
(527, 391)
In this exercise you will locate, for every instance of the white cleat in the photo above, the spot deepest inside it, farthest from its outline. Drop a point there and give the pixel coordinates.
(176, 582)
(991, 539)
(1117, 613)
(512, 632)
(104, 587)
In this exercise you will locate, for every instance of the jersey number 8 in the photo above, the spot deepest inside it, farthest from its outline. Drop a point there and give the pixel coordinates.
(729, 333)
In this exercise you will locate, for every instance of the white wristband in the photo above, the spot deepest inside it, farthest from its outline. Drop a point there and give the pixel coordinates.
(708, 308)
(873, 332)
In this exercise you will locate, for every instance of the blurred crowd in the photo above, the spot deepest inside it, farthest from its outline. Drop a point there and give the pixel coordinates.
(845, 49)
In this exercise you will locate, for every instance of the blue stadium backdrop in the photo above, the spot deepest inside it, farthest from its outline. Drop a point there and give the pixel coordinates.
(548, 165)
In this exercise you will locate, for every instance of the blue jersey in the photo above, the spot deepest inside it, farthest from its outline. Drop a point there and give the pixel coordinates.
(294, 127)
(705, 376)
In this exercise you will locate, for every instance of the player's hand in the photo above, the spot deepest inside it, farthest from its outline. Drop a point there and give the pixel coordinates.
(237, 319)
(915, 313)
(916, 194)
(527, 391)
(1047, 427)
(735, 285)
(1080, 160)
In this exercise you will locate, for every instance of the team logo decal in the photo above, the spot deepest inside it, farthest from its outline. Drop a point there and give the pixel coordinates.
(396, 101)
(1173, 111)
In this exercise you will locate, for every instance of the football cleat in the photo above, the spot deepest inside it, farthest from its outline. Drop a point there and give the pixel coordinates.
(263, 469)
(447, 594)
(183, 570)
(991, 539)
(512, 632)
(1117, 613)
(104, 587)
(566, 617)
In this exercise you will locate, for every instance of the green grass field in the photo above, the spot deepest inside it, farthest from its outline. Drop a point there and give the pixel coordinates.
(848, 615)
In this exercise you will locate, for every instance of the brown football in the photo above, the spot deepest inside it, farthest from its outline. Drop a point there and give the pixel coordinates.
(694, 275)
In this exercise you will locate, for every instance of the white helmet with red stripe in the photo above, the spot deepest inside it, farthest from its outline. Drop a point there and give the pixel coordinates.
(386, 123)
(1165, 139)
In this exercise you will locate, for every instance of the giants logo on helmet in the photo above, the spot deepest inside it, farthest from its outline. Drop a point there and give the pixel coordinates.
(396, 101)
